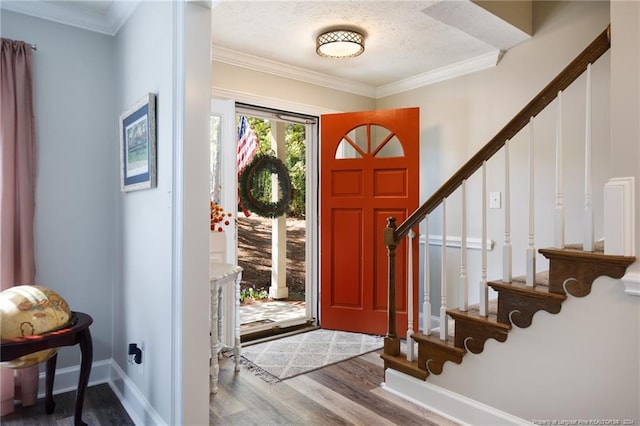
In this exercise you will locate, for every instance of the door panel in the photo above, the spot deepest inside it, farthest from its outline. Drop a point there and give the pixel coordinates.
(390, 183)
(347, 222)
(347, 183)
(369, 172)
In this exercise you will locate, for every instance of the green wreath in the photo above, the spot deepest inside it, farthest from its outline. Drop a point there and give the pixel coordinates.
(255, 186)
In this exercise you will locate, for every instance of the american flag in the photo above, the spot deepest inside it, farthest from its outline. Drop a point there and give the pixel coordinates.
(247, 144)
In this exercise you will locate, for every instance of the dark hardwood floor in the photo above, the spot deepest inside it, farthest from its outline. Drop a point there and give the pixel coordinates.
(347, 393)
(101, 408)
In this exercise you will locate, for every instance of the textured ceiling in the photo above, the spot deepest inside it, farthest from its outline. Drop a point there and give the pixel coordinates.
(407, 43)
(400, 40)
(403, 39)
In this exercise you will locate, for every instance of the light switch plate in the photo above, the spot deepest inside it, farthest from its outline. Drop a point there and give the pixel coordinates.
(495, 200)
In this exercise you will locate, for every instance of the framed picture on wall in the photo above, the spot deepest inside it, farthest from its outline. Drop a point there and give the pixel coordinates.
(138, 145)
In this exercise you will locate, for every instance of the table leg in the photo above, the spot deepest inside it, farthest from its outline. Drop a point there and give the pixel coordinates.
(236, 343)
(86, 348)
(219, 345)
(49, 404)
(214, 368)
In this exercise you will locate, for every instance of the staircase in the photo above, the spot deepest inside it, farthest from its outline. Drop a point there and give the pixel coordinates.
(572, 268)
(572, 271)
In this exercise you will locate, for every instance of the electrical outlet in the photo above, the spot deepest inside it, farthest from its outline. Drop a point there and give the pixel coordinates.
(136, 355)
(495, 200)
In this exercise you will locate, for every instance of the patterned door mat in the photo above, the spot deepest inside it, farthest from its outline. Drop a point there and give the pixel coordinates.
(291, 356)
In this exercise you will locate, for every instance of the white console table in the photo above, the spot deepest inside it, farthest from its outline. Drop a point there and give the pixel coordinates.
(221, 276)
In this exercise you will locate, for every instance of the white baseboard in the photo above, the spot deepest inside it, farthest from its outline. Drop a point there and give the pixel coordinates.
(132, 399)
(66, 379)
(631, 282)
(445, 403)
(107, 371)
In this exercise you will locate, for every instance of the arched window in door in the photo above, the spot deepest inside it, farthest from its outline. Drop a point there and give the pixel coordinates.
(369, 140)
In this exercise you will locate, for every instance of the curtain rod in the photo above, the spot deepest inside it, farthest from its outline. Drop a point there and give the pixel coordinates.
(33, 46)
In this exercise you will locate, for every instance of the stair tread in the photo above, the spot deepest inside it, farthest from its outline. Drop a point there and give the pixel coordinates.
(575, 252)
(537, 291)
(433, 338)
(598, 247)
(491, 319)
(492, 308)
(541, 279)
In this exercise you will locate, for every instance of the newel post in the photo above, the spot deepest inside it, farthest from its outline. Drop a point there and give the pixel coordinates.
(391, 340)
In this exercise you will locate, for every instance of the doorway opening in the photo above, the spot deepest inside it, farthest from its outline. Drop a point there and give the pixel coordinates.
(273, 249)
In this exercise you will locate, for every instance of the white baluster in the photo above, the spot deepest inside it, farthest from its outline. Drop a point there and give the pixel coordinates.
(410, 342)
(484, 289)
(588, 208)
(444, 323)
(507, 262)
(464, 279)
(558, 229)
(531, 251)
(426, 303)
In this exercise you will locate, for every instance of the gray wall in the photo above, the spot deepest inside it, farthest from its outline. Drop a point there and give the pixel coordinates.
(77, 181)
(142, 300)
(128, 259)
(162, 295)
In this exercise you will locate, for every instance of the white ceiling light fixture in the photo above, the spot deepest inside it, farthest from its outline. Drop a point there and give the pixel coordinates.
(340, 43)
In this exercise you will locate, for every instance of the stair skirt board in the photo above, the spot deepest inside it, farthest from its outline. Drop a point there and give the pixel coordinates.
(448, 404)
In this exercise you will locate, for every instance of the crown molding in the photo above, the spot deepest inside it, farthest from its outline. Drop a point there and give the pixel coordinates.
(255, 63)
(120, 13)
(109, 23)
(448, 72)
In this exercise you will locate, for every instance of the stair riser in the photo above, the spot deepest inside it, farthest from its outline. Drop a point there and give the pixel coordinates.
(576, 277)
(433, 353)
(519, 310)
(476, 335)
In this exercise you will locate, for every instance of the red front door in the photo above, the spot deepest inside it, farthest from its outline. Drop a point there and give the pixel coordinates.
(369, 172)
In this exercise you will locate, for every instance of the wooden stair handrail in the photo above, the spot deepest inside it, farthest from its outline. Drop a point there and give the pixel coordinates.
(563, 80)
